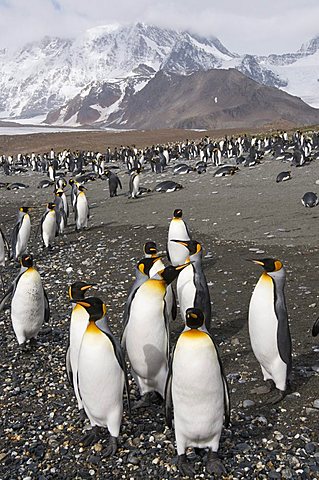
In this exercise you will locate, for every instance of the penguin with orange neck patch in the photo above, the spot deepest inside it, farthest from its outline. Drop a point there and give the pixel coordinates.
(269, 328)
(177, 230)
(101, 376)
(197, 390)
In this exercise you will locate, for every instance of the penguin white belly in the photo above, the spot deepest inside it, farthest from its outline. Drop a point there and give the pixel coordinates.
(27, 307)
(186, 290)
(78, 326)
(263, 326)
(177, 231)
(82, 211)
(101, 381)
(197, 392)
(49, 228)
(146, 337)
(65, 204)
(136, 186)
(23, 236)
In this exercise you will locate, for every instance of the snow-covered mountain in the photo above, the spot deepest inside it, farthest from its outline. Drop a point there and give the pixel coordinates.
(90, 79)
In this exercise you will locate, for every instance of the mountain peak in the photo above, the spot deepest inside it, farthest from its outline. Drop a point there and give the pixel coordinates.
(310, 47)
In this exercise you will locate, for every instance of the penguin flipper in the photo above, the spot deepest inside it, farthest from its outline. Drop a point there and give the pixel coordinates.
(6, 296)
(14, 238)
(167, 252)
(119, 183)
(102, 325)
(283, 332)
(68, 366)
(168, 392)
(174, 305)
(315, 328)
(46, 307)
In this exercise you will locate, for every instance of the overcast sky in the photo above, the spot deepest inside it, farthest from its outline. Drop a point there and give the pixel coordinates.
(243, 26)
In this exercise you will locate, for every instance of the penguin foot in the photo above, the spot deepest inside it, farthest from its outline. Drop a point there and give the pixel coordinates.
(184, 467)
(143, 402)
(23, 347)
(91, 437)
(214, 464)
(276, 397)
(82, 415)
(33, 342)
(263, 389)
(112, 448)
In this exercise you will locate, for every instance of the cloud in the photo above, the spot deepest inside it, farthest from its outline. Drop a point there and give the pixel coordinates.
(246, 26)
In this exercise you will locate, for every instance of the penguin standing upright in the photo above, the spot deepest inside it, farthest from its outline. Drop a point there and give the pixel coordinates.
(21, 233)
(74, 191)
(49, 227)
(197, 390)
(146, 331)
(3, 247)
(78, 324)
(134, 184)
(191, 287)
(81, 209)
(177, 230)
(269, 328)
(101, 375)
(114, 183)
(61, 218)
(29, 305)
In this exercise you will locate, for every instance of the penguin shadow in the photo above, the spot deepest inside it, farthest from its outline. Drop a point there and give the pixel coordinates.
(302, 363)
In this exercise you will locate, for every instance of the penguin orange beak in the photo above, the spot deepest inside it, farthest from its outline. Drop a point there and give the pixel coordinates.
(181, 242)
(257, 262)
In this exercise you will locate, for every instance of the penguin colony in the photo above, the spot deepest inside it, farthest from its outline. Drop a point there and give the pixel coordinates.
(188, 377)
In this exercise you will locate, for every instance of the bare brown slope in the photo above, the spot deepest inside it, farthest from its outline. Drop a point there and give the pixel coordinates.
(213, 99)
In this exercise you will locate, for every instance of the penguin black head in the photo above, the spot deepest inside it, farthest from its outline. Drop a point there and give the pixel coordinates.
(146, 264)
(78, 290)
(58, 192)
(27, 260)
(269, 264)
(150, 248)
(24, 209)
(51, 206)
(94, 306)
(194, 318)
(170, 273)
(178, 213)
(71, 181)
(192, 246)
(82, 188)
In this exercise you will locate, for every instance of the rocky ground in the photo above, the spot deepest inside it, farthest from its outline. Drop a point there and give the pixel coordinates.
(235, 218)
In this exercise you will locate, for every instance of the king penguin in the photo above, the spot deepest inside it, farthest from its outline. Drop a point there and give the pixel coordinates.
(49, 227)
(134, 184)
(197, 390)
(177, 230)
(81, 209)
(21, 233)
(101, 375)
(269, 328)
(3, 247)
(192, 289)
(146, 331)
(29, 305)
(78, 324)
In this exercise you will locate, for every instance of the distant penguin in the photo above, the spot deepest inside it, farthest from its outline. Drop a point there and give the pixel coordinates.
(17, 186)
(197, 391)
(61, 218)
(310, 200)
(101, 376)
(78, 324)
(226, 171)
(3, 247)
(182, 169)
(191, 287)
(177, 230)
(269, 329)
(114, 183)
(49, 227)
(146, 332)
(283, 177)
(168, 186)
(81, 209)
(134, 183)
(74, 191)
(51, 173)
(45, 183)
(21, 233)
(29, 305)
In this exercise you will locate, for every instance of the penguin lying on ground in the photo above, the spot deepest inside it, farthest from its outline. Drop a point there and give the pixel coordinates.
(197, 390)
(310, 200)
